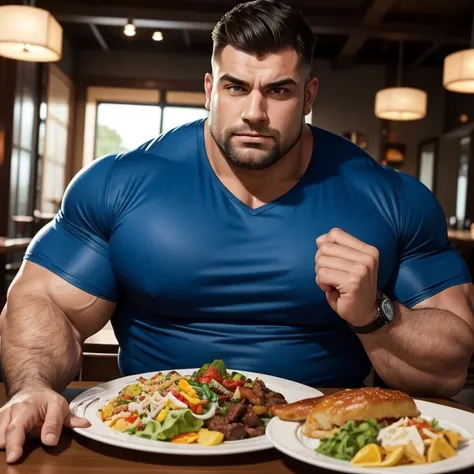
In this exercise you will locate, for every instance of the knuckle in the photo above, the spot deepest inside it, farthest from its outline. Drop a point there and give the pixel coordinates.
(360, 270)
(323, 273)
(325, 247)
(322, 261)
(368, 261)
(355, 279)
(375, 252)
(12, 428)
(53, 425)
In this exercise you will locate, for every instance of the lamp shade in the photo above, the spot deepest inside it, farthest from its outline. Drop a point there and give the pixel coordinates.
(458, 73)
(400, 103)
(29, 34)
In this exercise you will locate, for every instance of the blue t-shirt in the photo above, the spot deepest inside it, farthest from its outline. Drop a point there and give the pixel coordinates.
(198, 275)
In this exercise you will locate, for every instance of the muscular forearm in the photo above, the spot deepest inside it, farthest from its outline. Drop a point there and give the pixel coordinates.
(39, 345)
(424, 351)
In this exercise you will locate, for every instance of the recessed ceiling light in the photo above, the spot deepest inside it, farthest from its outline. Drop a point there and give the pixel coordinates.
(157, 36)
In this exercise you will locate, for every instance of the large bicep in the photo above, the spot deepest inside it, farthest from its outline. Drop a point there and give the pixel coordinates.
(87, 313)
(71, 253)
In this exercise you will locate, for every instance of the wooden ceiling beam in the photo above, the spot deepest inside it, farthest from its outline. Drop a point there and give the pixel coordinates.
(98, 36)
(426, 53)
(156, 18)
(355, 41)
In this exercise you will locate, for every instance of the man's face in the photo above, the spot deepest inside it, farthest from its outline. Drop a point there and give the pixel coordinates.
(257, 105)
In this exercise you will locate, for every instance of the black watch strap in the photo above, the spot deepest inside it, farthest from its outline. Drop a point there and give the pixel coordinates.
(380, 319)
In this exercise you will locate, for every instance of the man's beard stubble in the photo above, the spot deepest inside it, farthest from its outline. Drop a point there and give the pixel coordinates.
(231, 154)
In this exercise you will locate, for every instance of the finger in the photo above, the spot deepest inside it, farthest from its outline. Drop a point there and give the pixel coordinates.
(340, 237)
(330, 249)
(335, 263)
(333, 278)
(16, 435)
(320, 240)
(325, 288)
(332, 298)
(4, 422)
(53, 424)
(73, 421)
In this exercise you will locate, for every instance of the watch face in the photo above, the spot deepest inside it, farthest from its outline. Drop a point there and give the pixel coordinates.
(386, 308)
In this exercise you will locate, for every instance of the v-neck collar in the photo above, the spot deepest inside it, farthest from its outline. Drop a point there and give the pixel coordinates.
(234, 199)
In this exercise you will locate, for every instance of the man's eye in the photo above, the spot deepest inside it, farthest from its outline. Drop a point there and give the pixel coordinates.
(235, 88)
(278, 90)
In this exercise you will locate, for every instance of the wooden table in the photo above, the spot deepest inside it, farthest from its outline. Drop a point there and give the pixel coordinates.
(76, 455)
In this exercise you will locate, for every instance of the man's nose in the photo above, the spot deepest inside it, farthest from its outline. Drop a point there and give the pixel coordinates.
(255, 109)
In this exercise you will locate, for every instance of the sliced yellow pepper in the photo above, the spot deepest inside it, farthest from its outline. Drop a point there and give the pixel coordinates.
(183, 384)
(195, 401)
(163, 414)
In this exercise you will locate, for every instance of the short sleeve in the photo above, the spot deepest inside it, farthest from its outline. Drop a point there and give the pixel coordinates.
(428, 264)
(75, 244)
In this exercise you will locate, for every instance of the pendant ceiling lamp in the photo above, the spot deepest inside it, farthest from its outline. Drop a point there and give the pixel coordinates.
(400, 103)
(28, 33)
(458, 72)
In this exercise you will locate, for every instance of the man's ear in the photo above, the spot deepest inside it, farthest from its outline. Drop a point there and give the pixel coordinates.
(311, 90)
(208, 90)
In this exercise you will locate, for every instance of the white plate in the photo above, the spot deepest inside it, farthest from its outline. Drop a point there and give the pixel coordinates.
(287, 437)
(87, 404)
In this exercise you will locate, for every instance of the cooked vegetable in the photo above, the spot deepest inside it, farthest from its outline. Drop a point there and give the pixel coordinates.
(166, 406)
(435, 425)
(211, 374)
(346, 442)
(186, 438)
(215, 385)
(218, 364)
(210, 438)
(133, 390)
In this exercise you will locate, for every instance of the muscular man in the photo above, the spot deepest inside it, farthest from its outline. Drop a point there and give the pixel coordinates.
(206, 243)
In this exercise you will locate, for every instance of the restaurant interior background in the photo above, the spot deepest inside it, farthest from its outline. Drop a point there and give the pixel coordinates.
(130, 70)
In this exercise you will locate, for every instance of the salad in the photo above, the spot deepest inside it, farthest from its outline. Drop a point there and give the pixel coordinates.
(406, 441)
(207, 407)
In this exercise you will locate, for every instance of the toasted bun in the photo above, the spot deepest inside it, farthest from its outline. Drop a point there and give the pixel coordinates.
(358, 404)
(296, 411)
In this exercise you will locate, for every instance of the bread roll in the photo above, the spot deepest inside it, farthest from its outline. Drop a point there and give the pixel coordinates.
(296, 411)
(357, 404)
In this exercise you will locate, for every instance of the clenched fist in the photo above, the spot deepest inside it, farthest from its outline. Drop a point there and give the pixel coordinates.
(346, 270)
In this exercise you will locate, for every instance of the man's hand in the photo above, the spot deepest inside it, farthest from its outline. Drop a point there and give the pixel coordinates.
(346, 270)
(40, 412)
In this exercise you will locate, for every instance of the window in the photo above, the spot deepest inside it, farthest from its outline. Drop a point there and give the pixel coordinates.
(175, 116)
(427, 163)
(54, 140)
(461, 199)
(123, 127)
(126, 118)
(23, 158)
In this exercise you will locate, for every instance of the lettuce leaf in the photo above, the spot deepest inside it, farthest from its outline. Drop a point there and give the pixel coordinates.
(218, 364)
(220, 367)
(175, 423)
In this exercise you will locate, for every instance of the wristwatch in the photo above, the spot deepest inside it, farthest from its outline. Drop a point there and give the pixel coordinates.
(385, 313)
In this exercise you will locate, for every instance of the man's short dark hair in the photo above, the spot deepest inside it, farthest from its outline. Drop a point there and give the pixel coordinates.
(263, 27)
